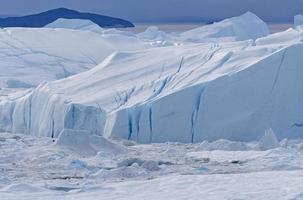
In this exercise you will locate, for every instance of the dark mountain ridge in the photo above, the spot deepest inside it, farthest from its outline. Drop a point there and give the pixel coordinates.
(44, 18)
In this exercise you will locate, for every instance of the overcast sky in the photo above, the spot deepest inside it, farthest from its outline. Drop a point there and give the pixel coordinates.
(164, 10)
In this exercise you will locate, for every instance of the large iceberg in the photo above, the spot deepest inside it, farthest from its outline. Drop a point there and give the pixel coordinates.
(187, 93)
(69, 46)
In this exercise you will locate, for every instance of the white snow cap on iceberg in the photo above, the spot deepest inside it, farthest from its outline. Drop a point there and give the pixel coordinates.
(244, 27)
(81, 24)
(152, 32)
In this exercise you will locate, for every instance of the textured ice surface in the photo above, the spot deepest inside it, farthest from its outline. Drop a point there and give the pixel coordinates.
(36, 168)
(186, 93)
(207, 91)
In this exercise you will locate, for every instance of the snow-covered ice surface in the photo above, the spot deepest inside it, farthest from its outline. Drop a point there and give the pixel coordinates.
(36, 168)
(214, 112)
(31, 56)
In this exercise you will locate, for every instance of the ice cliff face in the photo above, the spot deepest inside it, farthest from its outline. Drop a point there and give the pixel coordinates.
(187, 93)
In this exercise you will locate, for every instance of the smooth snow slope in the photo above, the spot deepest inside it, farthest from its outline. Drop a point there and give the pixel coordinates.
(32, 56)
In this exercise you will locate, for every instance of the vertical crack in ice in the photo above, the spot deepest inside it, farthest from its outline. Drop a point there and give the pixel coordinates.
(279, 70)
(53, 124)
(181, 64)
(194, 115)
(222, 62)
(121, 98)
(73, 117)
(214, 49)
(11, 117)
(138, 117)
(160, 89)
(128, 95)
(150, 124)
(130, 125)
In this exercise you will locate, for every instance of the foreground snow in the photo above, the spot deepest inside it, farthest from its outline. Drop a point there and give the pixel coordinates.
(35, 168)
(258, 185)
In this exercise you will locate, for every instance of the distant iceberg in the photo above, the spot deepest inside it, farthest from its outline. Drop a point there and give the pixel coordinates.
(298, 20)
(244, 27)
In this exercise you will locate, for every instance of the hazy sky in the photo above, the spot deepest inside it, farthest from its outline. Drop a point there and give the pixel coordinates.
(163, 10)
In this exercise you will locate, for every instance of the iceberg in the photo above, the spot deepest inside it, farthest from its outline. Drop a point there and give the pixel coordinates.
(244, 27)
(186, 93)
(212, 91)
(298, 20)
